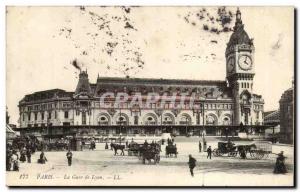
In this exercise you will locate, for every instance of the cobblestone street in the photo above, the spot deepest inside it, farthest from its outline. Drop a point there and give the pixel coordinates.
(101, 167)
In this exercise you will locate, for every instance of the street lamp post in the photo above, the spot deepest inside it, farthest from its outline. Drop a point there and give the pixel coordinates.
(202, 112)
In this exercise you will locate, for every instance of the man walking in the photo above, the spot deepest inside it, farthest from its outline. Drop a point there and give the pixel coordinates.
(192, 164)
(28, 154)
(209, 152)
(200, 146)
(69, 157)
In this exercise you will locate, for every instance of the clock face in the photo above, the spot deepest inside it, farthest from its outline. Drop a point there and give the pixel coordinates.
(230, 64)
(245, 62)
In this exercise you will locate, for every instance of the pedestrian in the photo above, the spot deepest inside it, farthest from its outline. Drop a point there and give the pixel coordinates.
(280, 167)
(42, 159)
(28, 154)
(93, 145)
(106, 145)
(146, 144)
(200, 146)
(192, 164)
(69, 157)
(243, 153)
(14, 161)
(111, 145)
(23, 155)
(8, 160)
(209, 152)
(204, 146)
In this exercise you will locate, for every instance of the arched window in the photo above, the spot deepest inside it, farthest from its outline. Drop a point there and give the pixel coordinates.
(150, 119)
(185, 119)
(103, 119)
(122, 119)
(168, 119)
(211, 120)
(226, 121)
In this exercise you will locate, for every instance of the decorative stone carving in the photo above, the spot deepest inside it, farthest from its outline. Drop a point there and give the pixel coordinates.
(111, 112)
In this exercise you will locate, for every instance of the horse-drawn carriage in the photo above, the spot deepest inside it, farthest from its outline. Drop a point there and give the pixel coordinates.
(151, 152)
(256, 150)
(134, 149)
(225, 148)
(171, 150)
(145, 151)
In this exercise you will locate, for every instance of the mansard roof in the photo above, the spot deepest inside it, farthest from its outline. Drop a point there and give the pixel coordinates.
(211, 89)
(47, 94)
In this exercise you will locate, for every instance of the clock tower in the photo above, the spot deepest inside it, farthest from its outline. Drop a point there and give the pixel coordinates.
(240, 71)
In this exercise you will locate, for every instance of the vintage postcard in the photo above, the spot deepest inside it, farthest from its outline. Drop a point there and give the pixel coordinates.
(150, 96)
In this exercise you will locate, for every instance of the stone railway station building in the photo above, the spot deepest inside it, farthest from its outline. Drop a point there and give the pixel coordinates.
(223, 105)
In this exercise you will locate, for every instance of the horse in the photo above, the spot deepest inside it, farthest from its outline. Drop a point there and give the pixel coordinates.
(117, 147)
(245, 148)
(93, 145)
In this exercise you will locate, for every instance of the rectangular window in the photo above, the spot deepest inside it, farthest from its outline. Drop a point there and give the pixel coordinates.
(136, 120)
(66, 114)
(35, 116)
(49, 115)
(23, 117)
(42, 115)
(83, 118)
(55, 114)
(66, 124)
(29, 114)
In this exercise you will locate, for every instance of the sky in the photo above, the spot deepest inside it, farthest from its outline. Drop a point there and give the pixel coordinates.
(44, 45)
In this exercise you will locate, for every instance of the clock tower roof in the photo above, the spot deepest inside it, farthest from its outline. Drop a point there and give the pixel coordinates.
(239, 35)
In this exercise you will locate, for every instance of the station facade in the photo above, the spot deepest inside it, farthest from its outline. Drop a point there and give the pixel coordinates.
(215, 104)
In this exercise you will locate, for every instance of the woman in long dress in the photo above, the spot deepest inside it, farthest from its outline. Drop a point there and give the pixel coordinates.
(280, 164)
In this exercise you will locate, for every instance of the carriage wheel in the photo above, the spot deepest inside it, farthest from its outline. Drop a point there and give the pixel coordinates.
(232, 154)
(216, 152)
(235, 153)
(252, 154)
(261, 154)
(258, 154)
